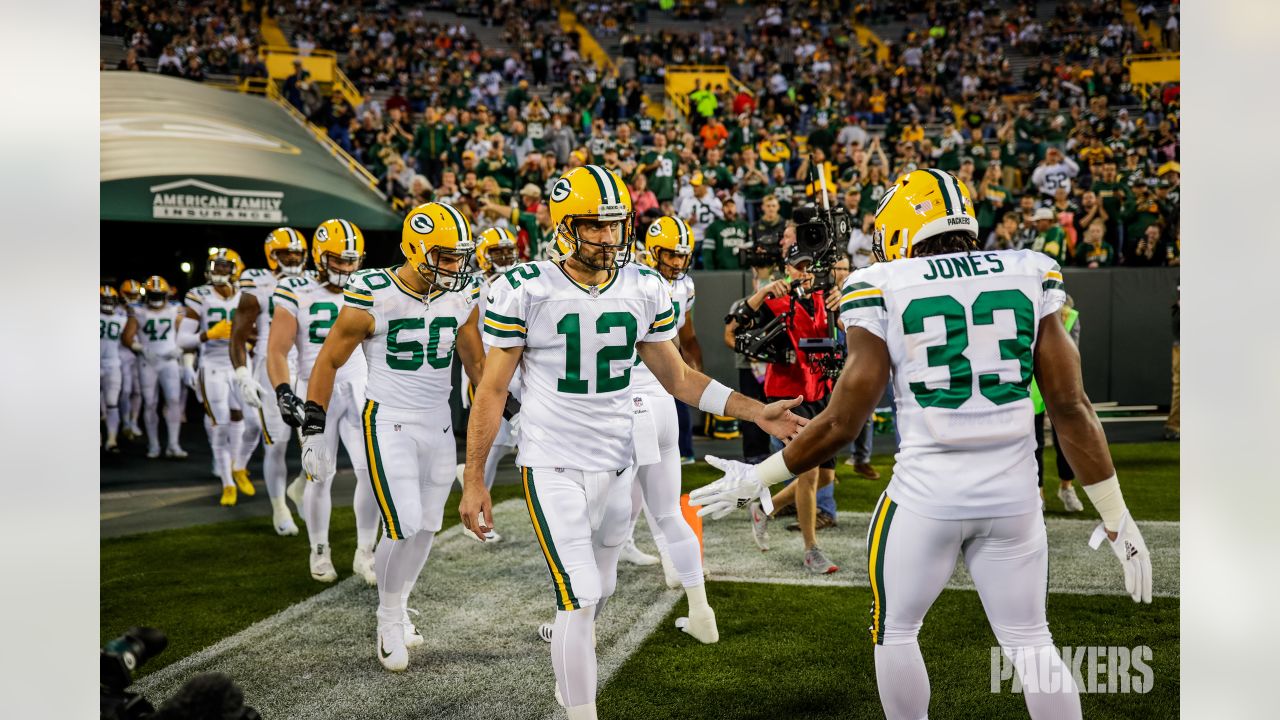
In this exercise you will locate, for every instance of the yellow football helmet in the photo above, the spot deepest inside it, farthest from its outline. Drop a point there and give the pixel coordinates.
(131, 291)
(286, 239)
(108, 299)
(669, 238)
(156, 290)
(497, 251)
(340, 239)
(920, 205)
(596, 194)
(434, 229)
(223, 266)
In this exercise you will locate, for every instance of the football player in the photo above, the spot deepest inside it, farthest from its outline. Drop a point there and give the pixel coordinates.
(130, 390)
(286, 251)
(212, 306)
(305, 311)
(574, 326)
(409, 319)
(963, 332)
(110, 324)
(669, 244)
(152, 333)
(496, 253)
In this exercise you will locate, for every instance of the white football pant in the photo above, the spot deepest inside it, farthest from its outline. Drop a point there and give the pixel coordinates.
(217, 393)
(109, 382)
(163, 376)
(659, 485)
(275, 436)
(342, 423)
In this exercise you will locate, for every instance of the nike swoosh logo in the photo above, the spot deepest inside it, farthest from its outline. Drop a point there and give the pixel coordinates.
(619, 473)
(446, 427)
(384, 653)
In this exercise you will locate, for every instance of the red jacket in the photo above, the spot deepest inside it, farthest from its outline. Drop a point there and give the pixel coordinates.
(799, 378)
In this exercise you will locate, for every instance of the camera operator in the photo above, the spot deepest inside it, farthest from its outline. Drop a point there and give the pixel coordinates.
(805, 317)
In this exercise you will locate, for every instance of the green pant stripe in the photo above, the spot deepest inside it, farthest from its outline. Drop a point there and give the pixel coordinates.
(884, 537)
(379, 476)
(551, 547)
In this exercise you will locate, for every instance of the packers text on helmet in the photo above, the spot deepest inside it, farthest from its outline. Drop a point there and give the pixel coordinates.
(921, 205)
(669, 247)
(339, 240)
(436, 241)
(285, 243)
(591, 206)
(497, 251)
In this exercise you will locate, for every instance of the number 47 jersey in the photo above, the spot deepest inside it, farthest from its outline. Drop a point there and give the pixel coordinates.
(411, 349)
(961, 332)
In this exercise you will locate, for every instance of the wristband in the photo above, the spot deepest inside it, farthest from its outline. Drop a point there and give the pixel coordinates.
(773, 470)
(283, 389)
(714, 398)
(1108, 501)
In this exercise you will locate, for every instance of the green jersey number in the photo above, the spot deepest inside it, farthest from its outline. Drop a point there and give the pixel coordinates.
(951, 353)
(525, 272)
(157, 328)
(410, 354)
(108, 329)
(571, 327)
(215, 315)
(319, 324)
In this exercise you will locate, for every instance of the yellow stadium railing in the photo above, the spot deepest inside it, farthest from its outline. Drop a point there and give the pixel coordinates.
(682, 79)
(591, 49)
(322, 64)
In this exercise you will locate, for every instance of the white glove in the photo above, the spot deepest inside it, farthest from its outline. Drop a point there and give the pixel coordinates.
(317, 460)
(249, 388)
(514, 422)
(739, 486)
(1134, 557)
(189, 377)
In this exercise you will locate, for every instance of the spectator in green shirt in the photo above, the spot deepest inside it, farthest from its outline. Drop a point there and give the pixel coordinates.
(1094, 251)
(1050, 238)
(724, 236)
(660, 165)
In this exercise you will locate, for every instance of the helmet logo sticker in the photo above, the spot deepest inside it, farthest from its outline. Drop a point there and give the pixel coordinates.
(422, 224)
(560, 190)
(322, 232)
(654, 230)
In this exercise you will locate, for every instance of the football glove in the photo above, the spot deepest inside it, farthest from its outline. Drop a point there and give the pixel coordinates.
(292, 409)
(220, 330)
(317, 460)
(1134, 557)
(189, 377)
(739, 486)
(249, 388)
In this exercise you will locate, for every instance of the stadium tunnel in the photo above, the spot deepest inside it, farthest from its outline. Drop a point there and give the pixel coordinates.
(186, 167)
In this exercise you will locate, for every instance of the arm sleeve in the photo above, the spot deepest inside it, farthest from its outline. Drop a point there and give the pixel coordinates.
(862, 305)
(504, 316)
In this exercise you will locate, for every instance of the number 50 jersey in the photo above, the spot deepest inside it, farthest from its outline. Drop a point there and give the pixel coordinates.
(411, 349)
(961, 331)
(579, 350)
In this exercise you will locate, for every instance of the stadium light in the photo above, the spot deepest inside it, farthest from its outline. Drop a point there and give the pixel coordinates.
(186, 267)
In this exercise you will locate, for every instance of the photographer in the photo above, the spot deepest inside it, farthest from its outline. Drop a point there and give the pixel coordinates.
(805, 316)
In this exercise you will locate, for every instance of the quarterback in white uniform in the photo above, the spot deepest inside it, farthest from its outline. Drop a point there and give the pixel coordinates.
(574, 327)
(963, 332)
(305, 311)
(130, 390)
(212, 306)
(152, 333)
(669, 245)
(286, 251)
(110, 325)
(408, 319)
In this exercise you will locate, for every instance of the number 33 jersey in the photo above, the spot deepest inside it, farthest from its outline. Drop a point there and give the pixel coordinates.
(579, 350)
(315, 307)
(961, 331)
(411, 349)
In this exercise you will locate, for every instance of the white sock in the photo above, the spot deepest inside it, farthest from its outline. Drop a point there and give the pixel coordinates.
(367, 513)
(697, 595)
(317, 504)
(1042, 664)
(173, 421)
(581, 712)
(237, 444)
(151, 419)
(573, 656)
(903, 681)
(396, 564)
(220, 442)
(113, 423)
(274, 467)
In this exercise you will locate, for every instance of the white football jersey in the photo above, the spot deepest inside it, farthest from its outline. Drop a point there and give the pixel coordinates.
(315, 307)
(579, 351)
(961, 331)
(482, 304)
(410, 352)
(158, 329)
(211, 307)
(682, 296)
(110, 326)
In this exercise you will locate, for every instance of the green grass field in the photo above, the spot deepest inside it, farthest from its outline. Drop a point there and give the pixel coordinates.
(785, 651)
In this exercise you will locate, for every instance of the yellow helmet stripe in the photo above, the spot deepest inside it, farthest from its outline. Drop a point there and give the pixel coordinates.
(464, 230)
(608, 191)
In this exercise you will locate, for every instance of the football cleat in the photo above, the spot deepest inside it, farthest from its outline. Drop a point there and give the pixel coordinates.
(228, 495)
(816, 562)
(321, 565)
(412, 638)
(174, 451)
(281, 518)
(1069, 499)
(701, 624)
(112, 447)
(759, 525)
(633, 555)
(243, 483)
(669, 574)
(392, 652)
(545, 630)
(362, 565)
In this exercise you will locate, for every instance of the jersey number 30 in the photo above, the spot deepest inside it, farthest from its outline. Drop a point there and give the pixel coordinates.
(951, 354)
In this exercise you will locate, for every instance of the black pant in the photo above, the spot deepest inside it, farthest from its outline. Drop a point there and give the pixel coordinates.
(1064, 468)
(755, 442)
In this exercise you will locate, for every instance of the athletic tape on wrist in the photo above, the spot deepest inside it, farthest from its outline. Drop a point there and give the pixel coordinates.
(714, 398)
(773, 470)
(1108, 501)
